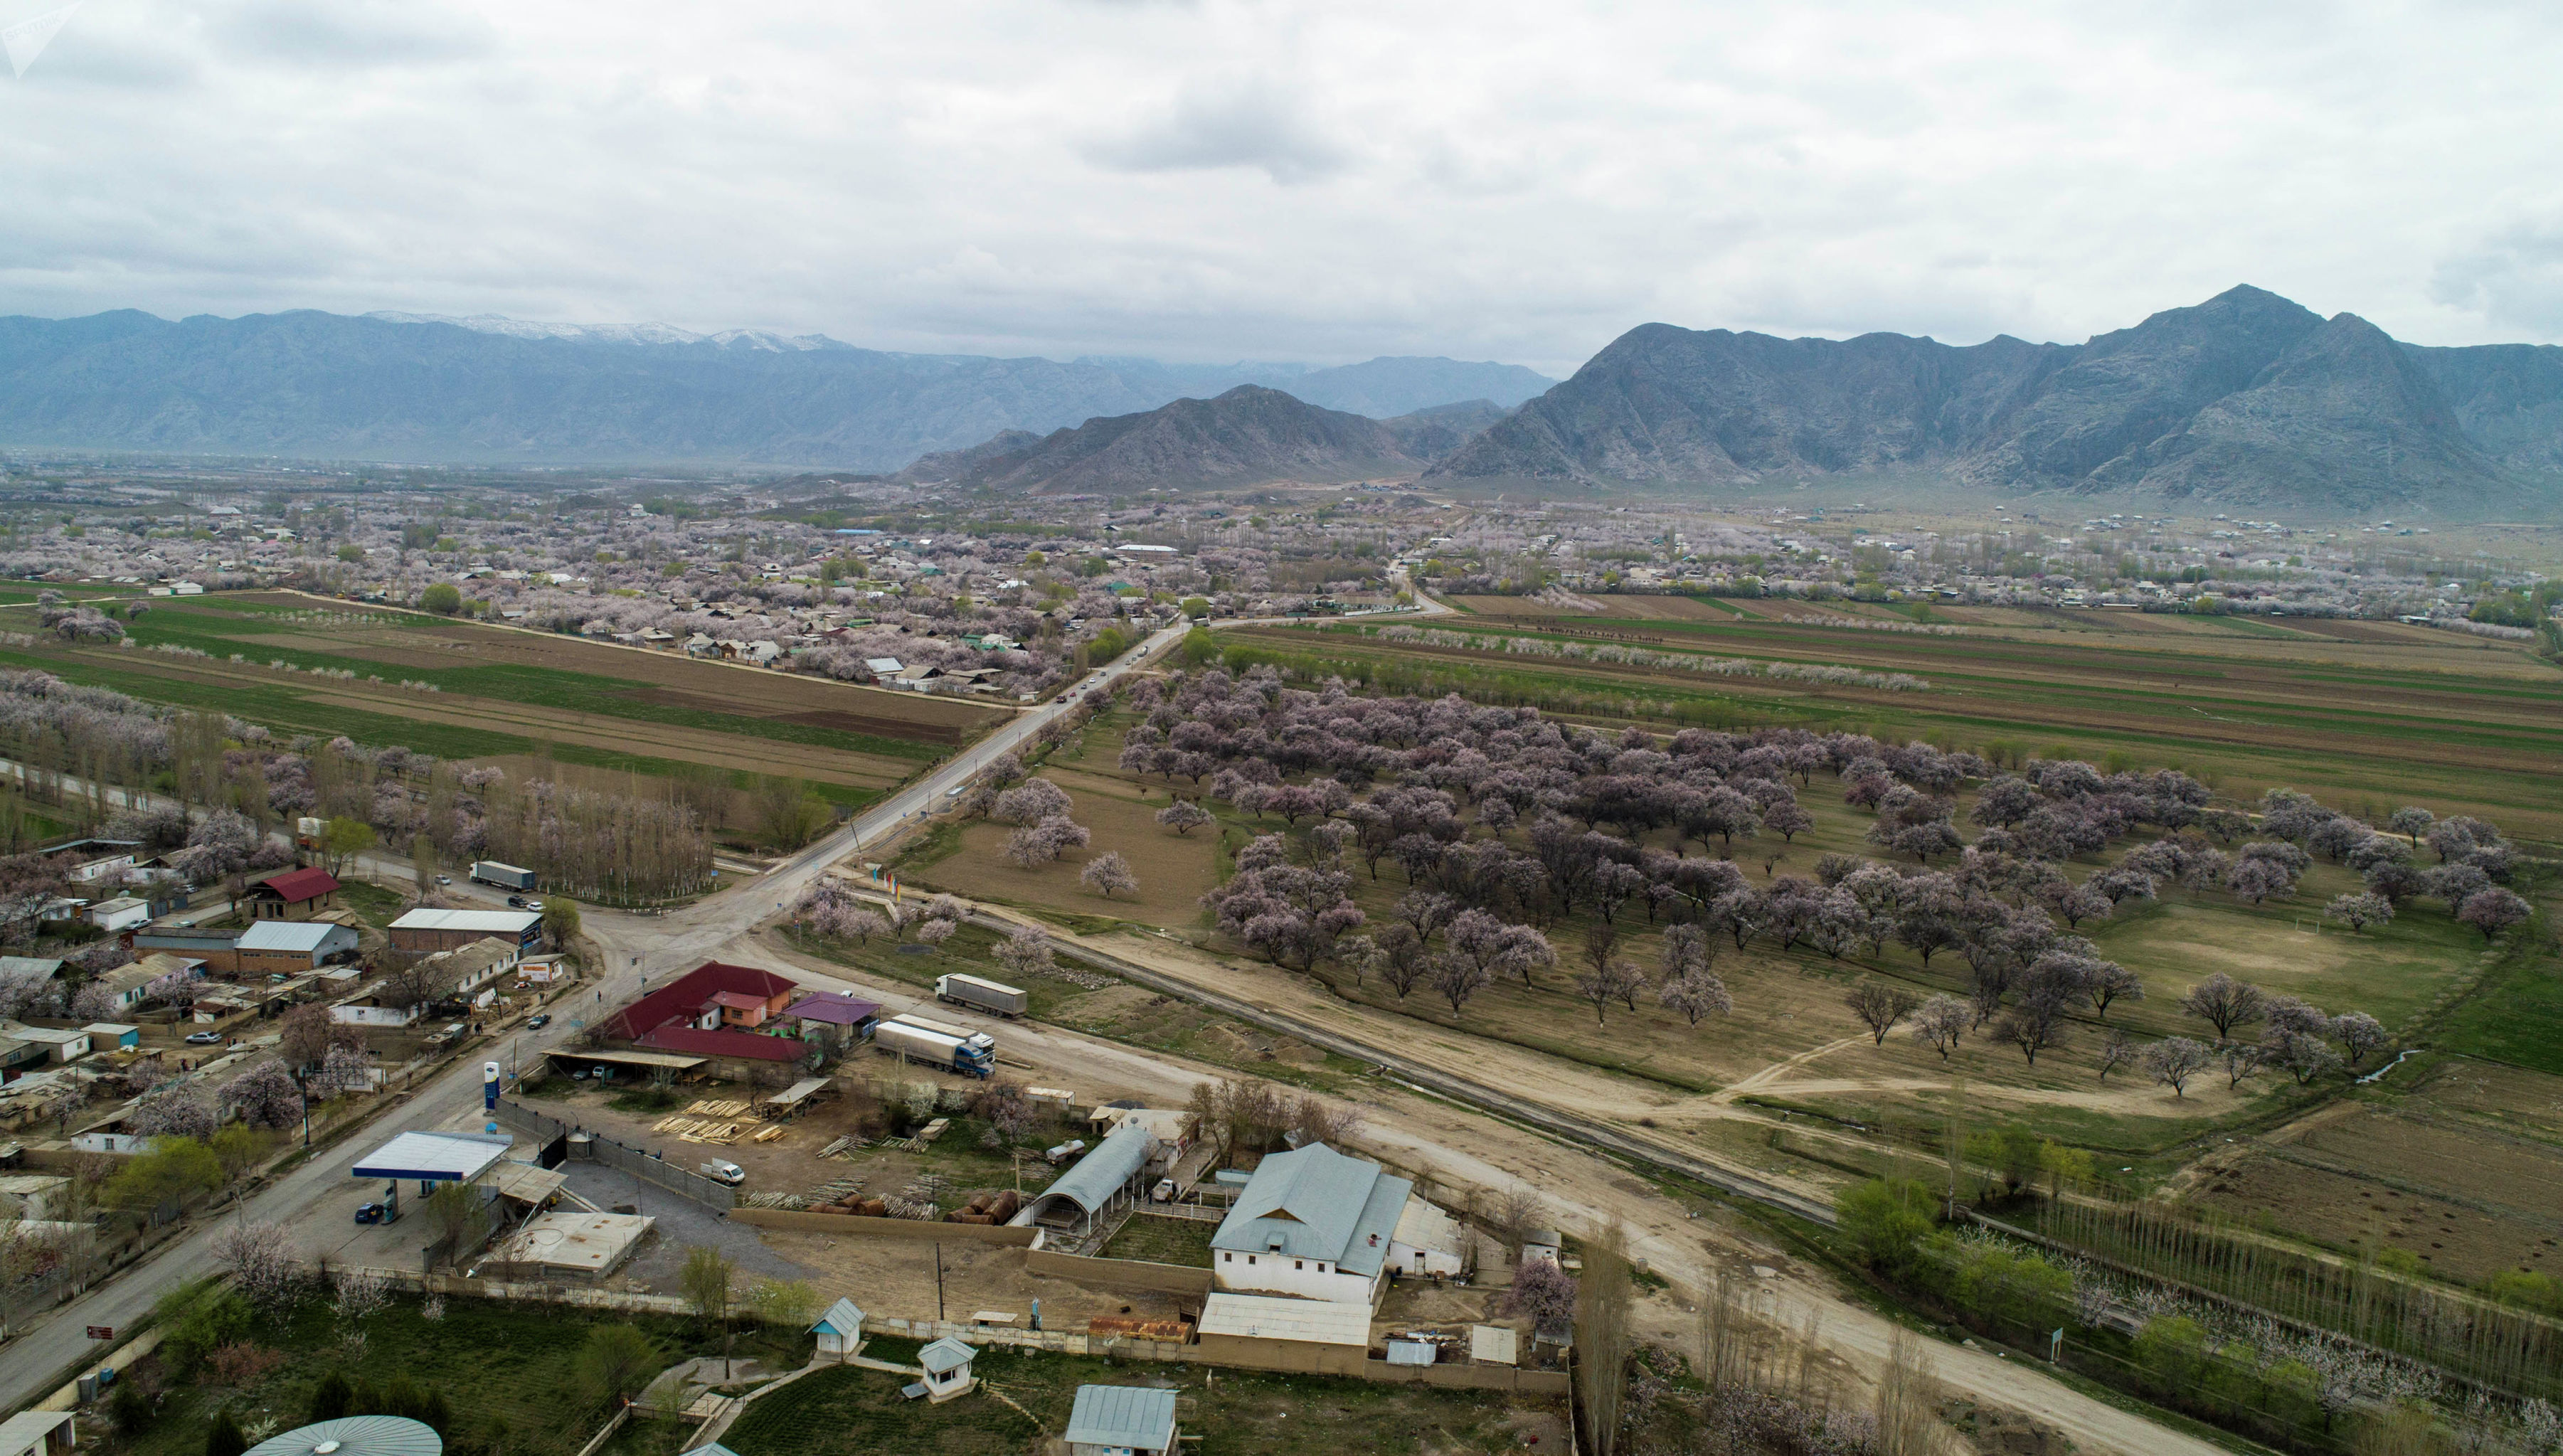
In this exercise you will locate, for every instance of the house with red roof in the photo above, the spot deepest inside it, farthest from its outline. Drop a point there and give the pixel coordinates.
(290, 894)
(707, 1011)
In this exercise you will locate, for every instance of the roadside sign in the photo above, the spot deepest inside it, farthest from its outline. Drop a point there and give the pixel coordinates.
(102, 1331)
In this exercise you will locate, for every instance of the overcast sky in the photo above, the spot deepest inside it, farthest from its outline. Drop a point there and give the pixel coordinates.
(1290, 179)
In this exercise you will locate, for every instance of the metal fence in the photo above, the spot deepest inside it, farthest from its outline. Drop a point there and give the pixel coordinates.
(646, 1167)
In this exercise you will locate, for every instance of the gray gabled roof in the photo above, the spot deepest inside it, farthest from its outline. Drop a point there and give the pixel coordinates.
(1122, 1416)
(1316, 1203)
(946, 1353)
(1100, 1174)
(844, 1317)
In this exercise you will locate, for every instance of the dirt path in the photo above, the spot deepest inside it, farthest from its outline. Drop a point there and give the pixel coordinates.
(1684, 1244)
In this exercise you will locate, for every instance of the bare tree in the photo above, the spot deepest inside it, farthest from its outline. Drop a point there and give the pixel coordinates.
(1879, 1007)
(2225, 1002)
(1457, 977)
(1619, 980)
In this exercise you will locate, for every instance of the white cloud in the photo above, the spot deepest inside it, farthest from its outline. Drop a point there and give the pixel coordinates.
(1316, 179)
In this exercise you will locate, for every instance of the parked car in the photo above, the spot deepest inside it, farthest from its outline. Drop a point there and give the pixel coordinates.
(445, 879)
(538, 1020)
(204, 1038)
(369, 1212)
(722, 1170)
(535, 905)
(516, 902)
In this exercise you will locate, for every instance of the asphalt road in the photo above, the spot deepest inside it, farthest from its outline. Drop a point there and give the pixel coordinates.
(636, 948)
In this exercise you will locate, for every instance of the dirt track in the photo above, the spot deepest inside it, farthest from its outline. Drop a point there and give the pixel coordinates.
(1586, 1192)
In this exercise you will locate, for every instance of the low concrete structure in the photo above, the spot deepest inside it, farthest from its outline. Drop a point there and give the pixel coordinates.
(580, 1243)
(38, 1433)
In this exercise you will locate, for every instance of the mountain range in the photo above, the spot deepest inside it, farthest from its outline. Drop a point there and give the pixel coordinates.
(420, 388)
(1246, 436)
(2245, 400)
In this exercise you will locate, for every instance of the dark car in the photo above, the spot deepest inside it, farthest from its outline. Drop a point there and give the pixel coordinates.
(539, 1021)
(516, 902)
(369, 1212)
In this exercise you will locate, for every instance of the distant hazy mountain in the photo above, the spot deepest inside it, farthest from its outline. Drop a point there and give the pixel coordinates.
(409, 387)
(1248, 436)
(2247, 399)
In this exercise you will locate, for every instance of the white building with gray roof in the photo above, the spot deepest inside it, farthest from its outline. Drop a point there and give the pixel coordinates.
(1313, 1223)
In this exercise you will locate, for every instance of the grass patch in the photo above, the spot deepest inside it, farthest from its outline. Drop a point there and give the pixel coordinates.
(1155, 1240)
(848, 1411)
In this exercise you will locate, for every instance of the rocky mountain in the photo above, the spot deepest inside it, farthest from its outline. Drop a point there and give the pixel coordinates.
(411, 387)
(1248, 436)
(2247, 399)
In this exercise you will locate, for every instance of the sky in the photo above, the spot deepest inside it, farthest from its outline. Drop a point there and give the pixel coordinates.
(1289, 179)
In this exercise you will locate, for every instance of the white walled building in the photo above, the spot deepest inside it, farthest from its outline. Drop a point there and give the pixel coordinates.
(1313, 1223)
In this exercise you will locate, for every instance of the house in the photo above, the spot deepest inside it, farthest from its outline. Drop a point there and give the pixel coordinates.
(1263, 1331)
(1314, 1223)
(424, 931)
(35, 1195)
(833, 1017)
(217, 950)
(121, 913)
(293, 894)
(128, 987)
(1542, 1244)
(37, 1433)
(86, 861)
(59, 1045)
(1121, 1421)
(112, 1035)
(290, 947)
(840, 1330)
(696, 999)
(456, 975)
(32, 969)
(946, 1363)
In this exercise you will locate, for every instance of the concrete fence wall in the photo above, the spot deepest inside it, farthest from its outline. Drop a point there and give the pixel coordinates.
(1124, 1273)
(657, 1171)
(1468, 1377)
(856, 1225)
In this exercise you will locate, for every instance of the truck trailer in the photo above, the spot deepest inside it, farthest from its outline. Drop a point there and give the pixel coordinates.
(503, 876)
(980, 994)
(972, 1054)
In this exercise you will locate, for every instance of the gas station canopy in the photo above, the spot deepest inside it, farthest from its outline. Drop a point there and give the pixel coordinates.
(435, 1156)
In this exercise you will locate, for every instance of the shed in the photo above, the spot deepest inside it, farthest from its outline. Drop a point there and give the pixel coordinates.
(107, 1036)
(1494, 1344)
(1273, 1332)
(841, 1329)
(37, 1433)
(451, 930)
(946, 1363)
(121, 913)
(793, 1098)
(1121, 1421)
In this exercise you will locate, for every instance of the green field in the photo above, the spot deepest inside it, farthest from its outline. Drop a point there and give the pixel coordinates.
(505, 1368)
(849, 1411)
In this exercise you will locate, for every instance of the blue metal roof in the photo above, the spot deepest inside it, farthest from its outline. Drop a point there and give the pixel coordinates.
(1100, 1174)
(1122, 1416)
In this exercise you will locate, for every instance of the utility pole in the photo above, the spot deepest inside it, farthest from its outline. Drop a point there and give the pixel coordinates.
(938, 1284)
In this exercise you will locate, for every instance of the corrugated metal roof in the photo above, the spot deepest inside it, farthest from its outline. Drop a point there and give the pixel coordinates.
(512, 922)
(1100, 1174)
(1122, 1416)
(304, 935)
(844, 1317)
(1493, 1344)
(295, 886)
(1316, 1203)
(356, 1435)
(1269, 1317)
(1424, 1227)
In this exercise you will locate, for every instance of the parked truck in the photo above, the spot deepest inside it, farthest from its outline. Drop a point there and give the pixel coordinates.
(982, 994)
(972, 1054)
(503, 876)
